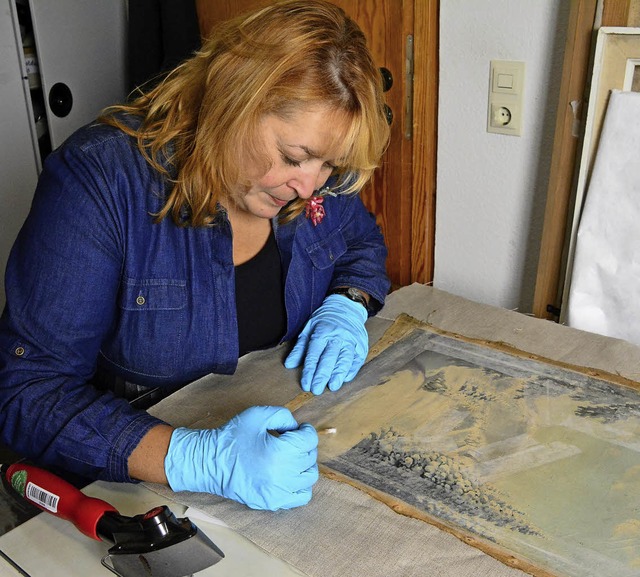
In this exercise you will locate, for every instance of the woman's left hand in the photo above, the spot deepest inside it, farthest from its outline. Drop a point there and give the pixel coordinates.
(334, 344)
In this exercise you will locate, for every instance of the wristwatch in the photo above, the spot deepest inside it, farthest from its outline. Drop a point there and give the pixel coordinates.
(353, 294)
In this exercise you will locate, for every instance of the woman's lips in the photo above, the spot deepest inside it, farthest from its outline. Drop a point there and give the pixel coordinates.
(279, 202)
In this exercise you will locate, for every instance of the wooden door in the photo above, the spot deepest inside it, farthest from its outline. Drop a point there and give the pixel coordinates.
(401, 193)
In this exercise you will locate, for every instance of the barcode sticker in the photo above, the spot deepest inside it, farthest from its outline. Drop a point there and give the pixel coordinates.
(42, 497)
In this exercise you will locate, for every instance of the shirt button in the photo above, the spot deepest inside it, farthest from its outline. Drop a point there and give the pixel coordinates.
(140, 300)
(19, 351)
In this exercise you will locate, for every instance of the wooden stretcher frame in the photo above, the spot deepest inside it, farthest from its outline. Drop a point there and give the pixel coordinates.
(583, 20)
(617, 49)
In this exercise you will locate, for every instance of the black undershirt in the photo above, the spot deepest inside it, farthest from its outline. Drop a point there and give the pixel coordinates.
(262, 319)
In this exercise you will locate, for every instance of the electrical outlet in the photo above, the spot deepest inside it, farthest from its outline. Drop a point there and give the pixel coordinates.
(506, 91)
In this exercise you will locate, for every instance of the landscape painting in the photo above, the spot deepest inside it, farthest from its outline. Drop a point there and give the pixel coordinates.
(536, 463)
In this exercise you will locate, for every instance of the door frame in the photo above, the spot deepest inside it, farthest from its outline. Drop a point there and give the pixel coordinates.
(425, 138)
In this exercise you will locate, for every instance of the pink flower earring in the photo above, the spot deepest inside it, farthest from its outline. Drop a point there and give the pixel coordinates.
(314, 210)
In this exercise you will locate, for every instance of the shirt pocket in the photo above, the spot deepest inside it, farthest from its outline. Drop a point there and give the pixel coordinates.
(149, 332)
(323, 256)
(325, 253)
(153, 295)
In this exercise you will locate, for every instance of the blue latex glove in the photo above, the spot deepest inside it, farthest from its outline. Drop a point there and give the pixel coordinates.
(243, 461)
(334, 344)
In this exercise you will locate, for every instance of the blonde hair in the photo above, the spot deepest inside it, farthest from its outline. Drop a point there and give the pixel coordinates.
(287, 57)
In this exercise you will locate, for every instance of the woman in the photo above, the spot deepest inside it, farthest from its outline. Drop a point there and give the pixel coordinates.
(212, 216)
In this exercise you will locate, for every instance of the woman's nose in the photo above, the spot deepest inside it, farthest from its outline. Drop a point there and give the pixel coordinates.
(306, 182)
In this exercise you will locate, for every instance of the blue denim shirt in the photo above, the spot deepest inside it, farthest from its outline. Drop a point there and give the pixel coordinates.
(93, 281)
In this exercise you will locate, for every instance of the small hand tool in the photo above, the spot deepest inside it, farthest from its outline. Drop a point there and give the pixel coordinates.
(153, 544)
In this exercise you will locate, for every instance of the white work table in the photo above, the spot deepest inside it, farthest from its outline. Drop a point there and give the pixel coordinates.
(343, 531)
(46, 546)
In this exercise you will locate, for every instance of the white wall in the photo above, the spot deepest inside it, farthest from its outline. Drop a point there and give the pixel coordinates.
(491, 188)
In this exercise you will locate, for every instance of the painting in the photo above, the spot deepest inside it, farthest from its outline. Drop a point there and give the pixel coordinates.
(531, 461)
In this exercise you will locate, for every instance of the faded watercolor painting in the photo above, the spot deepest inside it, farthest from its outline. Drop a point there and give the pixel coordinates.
(531, 459)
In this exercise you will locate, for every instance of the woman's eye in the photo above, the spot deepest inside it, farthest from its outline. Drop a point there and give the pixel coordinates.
(290, 161)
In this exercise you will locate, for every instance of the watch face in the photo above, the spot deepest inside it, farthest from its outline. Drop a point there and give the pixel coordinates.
(356, 296)
(352, 294)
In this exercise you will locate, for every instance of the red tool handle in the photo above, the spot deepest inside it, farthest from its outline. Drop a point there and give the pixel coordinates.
(54, 495)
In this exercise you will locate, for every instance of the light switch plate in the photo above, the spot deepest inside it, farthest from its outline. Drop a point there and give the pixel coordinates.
(506, 94)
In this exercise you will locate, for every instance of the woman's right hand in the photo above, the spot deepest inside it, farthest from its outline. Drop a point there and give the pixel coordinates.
(244, 461)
